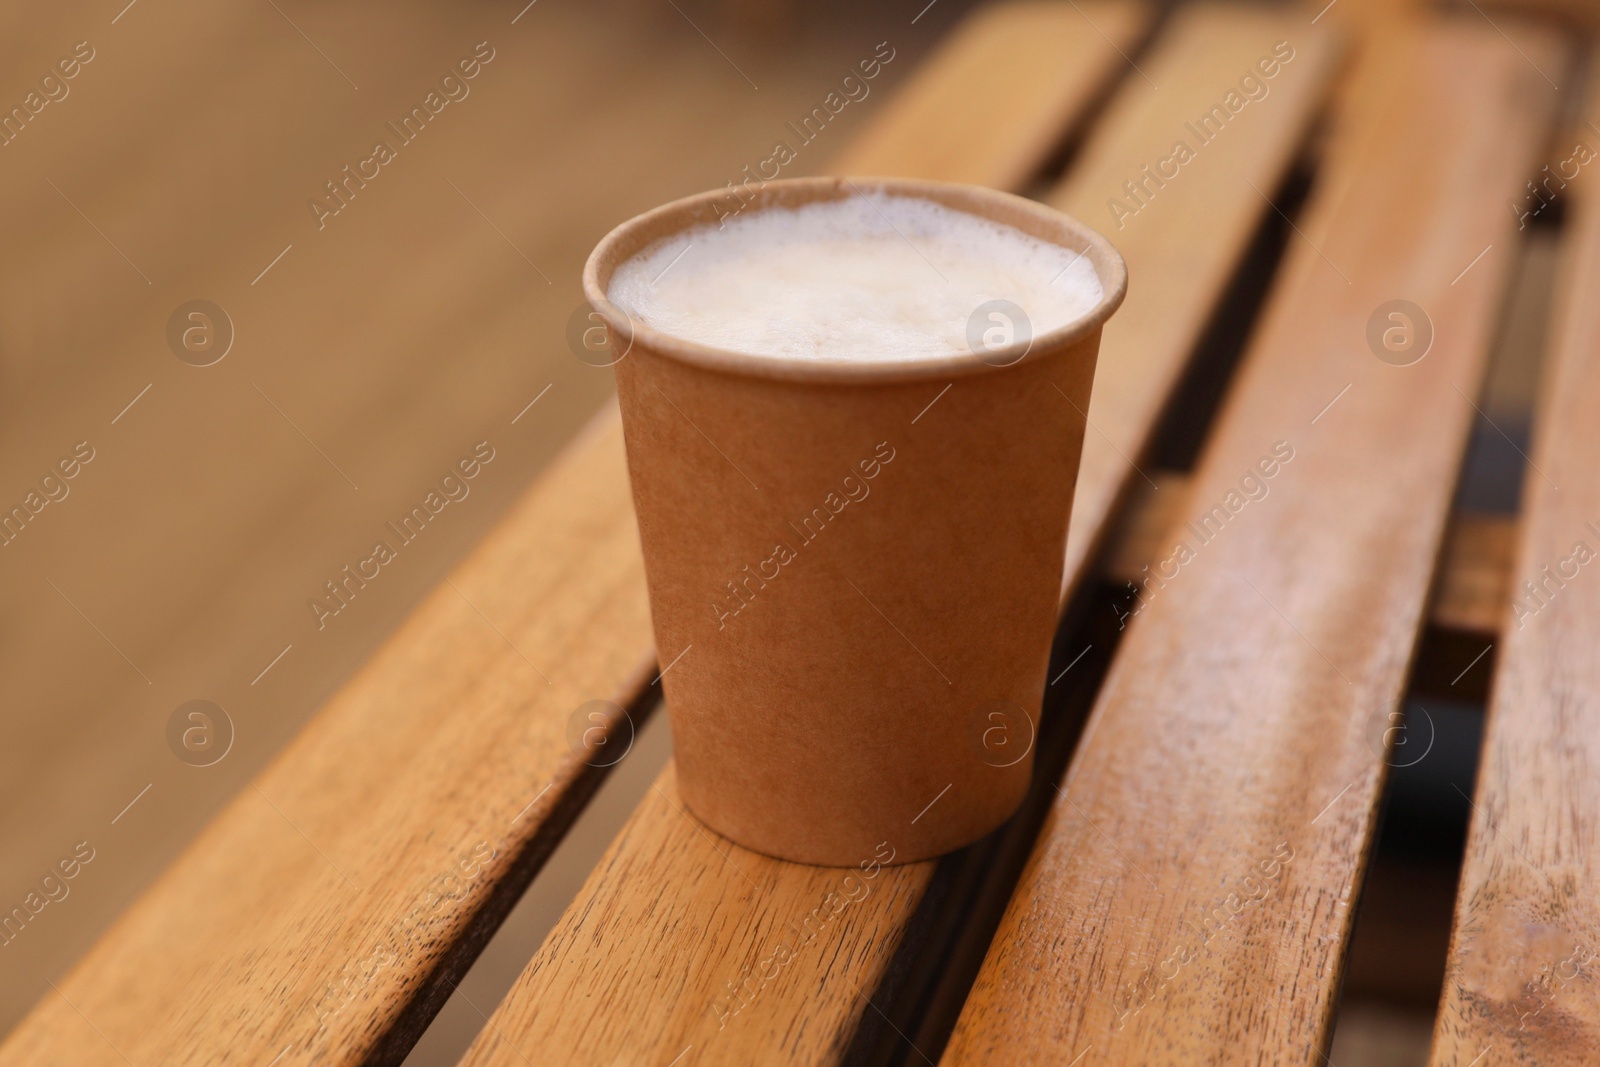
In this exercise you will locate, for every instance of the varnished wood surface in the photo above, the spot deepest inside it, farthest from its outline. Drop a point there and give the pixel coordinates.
(1520, 988)
(685, 944)
(560, 592)
(175, 995)
(410, 328)
(1190, 897)
(663, 968)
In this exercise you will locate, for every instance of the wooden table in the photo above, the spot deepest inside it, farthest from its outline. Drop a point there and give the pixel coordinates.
(1182, 883)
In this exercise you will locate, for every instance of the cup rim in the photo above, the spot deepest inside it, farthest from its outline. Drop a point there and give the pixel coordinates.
(1036, 219)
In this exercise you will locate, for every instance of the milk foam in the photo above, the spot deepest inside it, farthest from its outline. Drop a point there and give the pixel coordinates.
(874, 278)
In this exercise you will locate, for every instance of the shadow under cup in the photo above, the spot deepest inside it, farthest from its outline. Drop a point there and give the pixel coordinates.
(854, 592)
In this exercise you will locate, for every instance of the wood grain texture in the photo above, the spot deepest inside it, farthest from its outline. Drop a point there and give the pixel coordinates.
(244, 945)
(315, 909)
(684, 944)
(406, 330)
(1191, 895)
(1520, 988)
(676, 926)
(990, 106)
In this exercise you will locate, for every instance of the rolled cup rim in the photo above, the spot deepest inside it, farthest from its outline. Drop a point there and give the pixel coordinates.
(1045, 223)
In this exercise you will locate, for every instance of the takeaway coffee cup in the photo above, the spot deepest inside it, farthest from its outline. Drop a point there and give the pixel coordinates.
(854, 564)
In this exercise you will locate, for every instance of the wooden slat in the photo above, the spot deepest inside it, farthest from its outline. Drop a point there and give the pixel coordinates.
(1190, 896)
(396, 338)
(1474, 581)
(677, 927)
(989, 107)
(1520, 986)
(304, 920)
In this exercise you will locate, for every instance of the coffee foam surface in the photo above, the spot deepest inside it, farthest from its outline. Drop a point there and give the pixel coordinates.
(869, 278)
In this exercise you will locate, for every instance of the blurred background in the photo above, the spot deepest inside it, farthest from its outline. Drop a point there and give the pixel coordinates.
(344, 360)
(371, 349)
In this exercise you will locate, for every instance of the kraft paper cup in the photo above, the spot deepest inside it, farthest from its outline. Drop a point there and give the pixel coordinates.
(854, 567)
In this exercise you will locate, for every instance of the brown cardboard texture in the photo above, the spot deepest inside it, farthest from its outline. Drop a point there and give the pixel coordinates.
(854, 592)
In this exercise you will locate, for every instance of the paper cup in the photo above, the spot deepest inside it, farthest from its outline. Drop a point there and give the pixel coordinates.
(854, 567)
